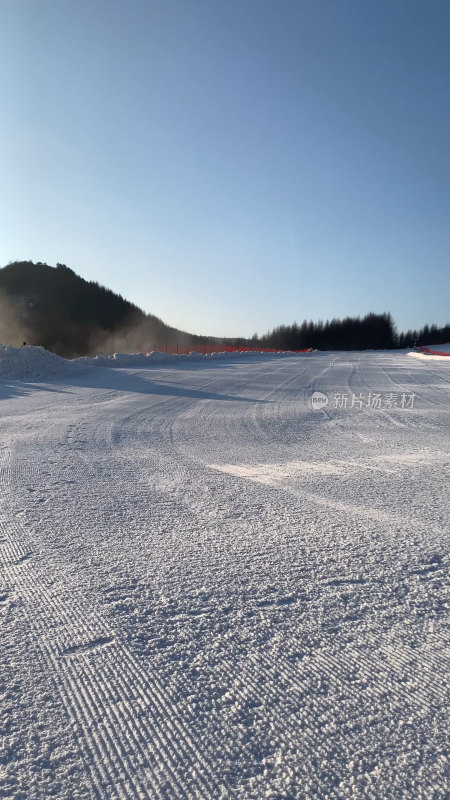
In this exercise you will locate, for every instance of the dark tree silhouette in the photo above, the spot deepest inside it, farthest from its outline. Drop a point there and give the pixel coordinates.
(374, 332)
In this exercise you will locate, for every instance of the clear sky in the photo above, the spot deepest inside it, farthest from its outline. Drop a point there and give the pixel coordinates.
(231, 166)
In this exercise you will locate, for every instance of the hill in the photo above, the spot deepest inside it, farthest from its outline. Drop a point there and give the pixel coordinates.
(56, 308)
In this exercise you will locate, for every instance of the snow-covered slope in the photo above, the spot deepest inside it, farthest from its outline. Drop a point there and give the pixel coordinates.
(208, 589)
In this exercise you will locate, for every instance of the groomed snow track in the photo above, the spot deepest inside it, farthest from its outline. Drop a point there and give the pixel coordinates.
(210, 590)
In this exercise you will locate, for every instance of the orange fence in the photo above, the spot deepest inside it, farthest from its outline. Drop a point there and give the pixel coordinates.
(207, 349)
(430, 352)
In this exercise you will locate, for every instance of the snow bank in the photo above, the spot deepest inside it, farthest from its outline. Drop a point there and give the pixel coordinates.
(37, 363)
(428, 356)
(30, 362)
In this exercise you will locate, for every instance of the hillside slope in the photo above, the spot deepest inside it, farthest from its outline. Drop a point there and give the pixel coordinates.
(56, 308)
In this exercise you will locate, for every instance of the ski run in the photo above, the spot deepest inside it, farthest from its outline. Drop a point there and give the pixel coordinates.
(211, 588)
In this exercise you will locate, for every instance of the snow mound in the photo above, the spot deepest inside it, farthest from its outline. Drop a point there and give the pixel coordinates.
(30, 362)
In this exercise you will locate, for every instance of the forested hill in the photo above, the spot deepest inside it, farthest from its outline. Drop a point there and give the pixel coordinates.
(56, 308)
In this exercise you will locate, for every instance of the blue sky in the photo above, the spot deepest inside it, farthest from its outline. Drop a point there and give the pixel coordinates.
(231, 166)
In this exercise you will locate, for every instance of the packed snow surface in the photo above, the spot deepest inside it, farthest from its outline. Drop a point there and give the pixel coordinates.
(210, 588)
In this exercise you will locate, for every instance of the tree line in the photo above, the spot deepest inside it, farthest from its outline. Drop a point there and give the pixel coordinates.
(372, 332)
